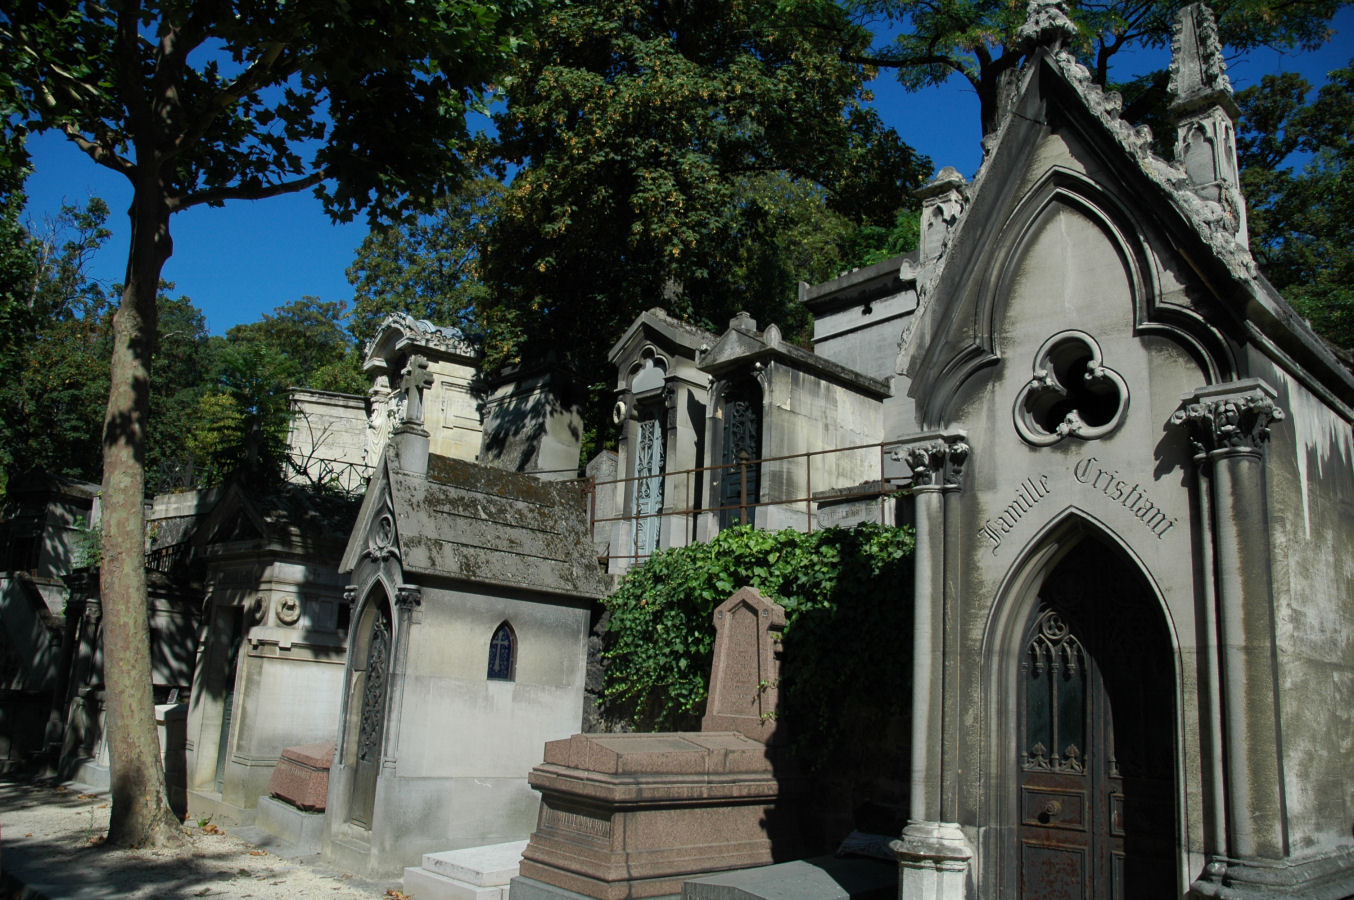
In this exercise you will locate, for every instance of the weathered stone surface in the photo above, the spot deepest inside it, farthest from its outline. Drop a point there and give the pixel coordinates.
(301, 776)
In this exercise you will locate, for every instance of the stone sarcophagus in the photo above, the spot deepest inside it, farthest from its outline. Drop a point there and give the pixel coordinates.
(633, 815)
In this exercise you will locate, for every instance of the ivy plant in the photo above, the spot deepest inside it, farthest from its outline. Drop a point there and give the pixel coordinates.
(847, 599)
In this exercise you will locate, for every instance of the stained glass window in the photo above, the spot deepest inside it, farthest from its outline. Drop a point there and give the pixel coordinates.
(501, 654)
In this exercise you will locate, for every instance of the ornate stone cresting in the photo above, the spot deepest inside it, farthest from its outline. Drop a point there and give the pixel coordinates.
(937, 462)
(1215, 220)
(446, 338)
(1237, 419)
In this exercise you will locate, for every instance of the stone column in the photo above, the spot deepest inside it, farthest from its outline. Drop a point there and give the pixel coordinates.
(1229, 425)
(408, 612)
(933, 855)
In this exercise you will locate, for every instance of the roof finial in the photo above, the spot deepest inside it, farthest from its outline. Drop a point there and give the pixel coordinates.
(1198, 71)
(1046, 25)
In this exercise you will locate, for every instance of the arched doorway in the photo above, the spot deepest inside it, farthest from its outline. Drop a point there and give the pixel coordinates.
(365, 731)
(1096, 735)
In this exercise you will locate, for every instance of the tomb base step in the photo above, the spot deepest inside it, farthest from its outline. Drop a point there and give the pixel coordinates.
(303, 831)
(822, 878)
(473, 873)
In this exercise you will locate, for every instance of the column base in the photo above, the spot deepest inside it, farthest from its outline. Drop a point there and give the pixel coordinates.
(1325, 877)
(933, 862)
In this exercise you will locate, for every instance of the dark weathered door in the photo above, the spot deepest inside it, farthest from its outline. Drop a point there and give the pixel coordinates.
(739, 487)
(1096, 737)
(371, 725)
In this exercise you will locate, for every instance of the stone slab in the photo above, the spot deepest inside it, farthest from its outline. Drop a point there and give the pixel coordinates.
(524, 888)
(493, 864)
(677, 753)
(301, 776)
(303, 830)
(424, 885)
(823, 878)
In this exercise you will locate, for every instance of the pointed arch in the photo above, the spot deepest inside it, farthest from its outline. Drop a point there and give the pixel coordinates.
(1025, 595)
(503, 653)
(968, 342)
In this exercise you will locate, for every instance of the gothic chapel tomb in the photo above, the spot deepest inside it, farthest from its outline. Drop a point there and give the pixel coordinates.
(1131, 473)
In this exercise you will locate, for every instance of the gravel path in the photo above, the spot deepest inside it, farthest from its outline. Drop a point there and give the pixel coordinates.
(50, 842)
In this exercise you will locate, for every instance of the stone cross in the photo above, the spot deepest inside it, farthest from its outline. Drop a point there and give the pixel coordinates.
(414, 379)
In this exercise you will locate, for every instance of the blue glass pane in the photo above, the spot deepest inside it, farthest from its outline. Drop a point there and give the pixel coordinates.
(500, 654)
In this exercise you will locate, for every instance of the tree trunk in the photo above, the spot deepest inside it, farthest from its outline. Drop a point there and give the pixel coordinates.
(141, 815)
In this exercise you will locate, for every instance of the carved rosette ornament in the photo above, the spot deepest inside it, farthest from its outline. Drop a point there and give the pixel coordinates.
(289, 610)
(935, 462)
(1237, 421)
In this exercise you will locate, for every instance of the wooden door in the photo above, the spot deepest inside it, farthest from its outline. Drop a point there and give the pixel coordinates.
(1096, 755)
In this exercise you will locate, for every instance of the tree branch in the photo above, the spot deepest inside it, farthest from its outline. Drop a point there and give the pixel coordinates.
(241, 192)
(101, 153)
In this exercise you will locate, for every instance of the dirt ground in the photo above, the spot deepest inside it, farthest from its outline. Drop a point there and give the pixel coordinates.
(50, 843)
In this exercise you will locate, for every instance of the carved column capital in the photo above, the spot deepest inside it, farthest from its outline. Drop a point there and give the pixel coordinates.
(350, 595)
(408, 596)
(1233, 417)
(935, 460)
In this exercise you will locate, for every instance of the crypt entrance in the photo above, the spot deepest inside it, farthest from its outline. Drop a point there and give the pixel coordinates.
(1094, 749)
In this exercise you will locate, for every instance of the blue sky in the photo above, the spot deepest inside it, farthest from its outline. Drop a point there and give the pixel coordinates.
(242, 260)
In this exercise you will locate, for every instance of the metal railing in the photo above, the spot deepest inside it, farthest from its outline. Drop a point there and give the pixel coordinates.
(700, 519)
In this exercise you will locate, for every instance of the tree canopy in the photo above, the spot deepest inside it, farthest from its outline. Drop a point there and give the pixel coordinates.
(1302, 213)
(201, 103)
(978, 39)
(661, 149)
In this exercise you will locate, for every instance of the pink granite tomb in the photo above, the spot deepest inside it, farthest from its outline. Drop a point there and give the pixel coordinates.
(301, 776)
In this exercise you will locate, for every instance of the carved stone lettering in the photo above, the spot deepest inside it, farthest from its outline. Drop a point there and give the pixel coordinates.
(1027, 494)
(1132, 497)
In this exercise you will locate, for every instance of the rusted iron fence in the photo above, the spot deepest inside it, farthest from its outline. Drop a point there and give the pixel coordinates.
(693, 511)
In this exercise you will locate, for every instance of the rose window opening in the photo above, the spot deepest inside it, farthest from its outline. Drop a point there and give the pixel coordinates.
(1072, 393)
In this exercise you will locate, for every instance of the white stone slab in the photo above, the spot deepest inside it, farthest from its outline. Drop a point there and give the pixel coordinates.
(424, 885)
(493, 864)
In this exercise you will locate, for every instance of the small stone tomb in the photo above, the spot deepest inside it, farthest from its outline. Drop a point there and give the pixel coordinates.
(634, 815)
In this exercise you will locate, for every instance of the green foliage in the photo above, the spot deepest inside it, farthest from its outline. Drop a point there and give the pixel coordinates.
(428, 267)
(87, 544)
(1302, 216)
(978, 40)
(54, 339)
(703, 157)
(308, 333)
(846, 622)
